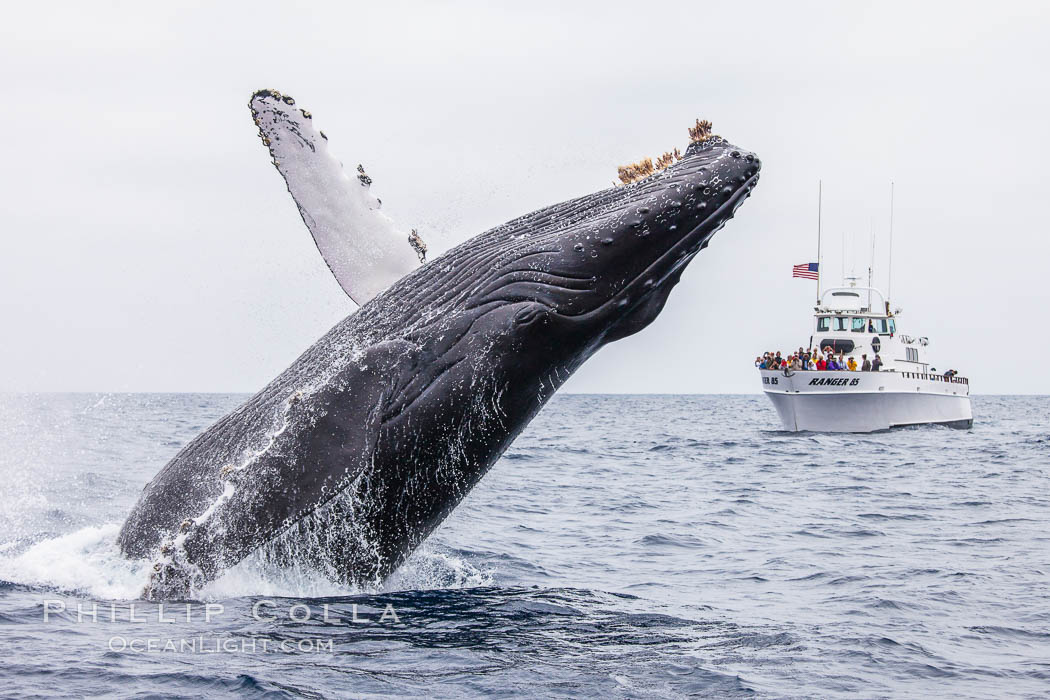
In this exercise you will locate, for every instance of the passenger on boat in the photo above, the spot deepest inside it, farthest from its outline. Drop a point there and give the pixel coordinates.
(851, 365)
(876, 365)
(865, 366)
(822, 364)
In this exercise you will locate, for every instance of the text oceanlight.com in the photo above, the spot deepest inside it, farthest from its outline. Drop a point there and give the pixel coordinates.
(219, 645)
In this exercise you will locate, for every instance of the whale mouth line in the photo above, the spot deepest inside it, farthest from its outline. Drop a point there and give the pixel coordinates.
(693, 247)
(691, 243)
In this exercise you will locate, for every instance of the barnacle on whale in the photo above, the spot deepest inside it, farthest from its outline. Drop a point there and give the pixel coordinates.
(644, 168)
(668, 158)
(418, 245)
(636, 171)
(362, 176)
(701, 132)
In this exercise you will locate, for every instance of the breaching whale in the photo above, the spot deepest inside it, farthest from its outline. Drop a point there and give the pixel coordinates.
(355, 453)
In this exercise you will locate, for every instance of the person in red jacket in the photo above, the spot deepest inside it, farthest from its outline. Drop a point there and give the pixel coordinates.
(822, 364)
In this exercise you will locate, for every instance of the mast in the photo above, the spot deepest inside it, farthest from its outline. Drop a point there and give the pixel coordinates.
(871, 262)
(843, 257)
(820, 196)
(889, 267)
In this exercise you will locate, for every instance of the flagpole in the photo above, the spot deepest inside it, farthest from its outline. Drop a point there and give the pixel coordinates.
(820, 197)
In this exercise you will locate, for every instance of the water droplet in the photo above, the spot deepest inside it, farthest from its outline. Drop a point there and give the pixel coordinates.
(643, 210)
(594, 253)
(578, 247)
(608, 241)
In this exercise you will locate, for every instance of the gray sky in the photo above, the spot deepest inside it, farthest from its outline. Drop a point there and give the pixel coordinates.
(146, 243)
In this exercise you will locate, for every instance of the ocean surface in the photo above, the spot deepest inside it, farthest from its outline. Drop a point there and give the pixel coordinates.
(639, 546)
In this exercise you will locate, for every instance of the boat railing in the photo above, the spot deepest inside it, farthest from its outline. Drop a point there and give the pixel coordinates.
(935, 377)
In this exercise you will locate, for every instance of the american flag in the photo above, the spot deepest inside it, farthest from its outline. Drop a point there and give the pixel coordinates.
(805, 270)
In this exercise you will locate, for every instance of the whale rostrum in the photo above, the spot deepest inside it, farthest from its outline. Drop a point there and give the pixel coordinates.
(353, 455)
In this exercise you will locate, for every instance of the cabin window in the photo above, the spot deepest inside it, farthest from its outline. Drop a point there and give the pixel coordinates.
(823, 324)
(893, 326)
(912, 354)
(858, 325)
(844, 346)
(878, 325)
(841, 323)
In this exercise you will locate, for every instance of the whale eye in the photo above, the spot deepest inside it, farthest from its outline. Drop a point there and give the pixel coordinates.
(531, 314)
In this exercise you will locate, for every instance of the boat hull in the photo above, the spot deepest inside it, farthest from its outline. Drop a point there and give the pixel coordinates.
(862, 402)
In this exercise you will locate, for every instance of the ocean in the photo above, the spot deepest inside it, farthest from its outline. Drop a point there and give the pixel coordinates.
(624, 546)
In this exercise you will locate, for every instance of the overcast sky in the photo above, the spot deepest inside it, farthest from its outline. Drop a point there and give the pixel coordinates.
(146, 243)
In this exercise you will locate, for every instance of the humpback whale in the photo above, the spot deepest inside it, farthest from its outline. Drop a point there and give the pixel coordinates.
(355, 453)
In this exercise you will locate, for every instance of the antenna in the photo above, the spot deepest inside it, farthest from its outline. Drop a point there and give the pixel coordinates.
(889, 273)
(871, 262)
(843, 257)
(820, 198)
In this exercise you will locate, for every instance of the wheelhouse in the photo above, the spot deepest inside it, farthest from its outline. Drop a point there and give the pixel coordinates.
(858, 321)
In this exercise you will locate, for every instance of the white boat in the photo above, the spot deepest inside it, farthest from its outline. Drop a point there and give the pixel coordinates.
(905, 391)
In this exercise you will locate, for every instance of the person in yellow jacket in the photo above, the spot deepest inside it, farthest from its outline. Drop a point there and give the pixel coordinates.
(852, 364)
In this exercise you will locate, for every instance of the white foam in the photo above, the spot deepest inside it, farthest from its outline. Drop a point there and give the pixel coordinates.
(430, 568)
(87, 561)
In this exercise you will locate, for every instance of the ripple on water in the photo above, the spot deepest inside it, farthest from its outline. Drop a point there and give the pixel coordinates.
(624, 546)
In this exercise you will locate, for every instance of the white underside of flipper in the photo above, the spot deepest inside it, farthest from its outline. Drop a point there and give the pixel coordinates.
(364, 249)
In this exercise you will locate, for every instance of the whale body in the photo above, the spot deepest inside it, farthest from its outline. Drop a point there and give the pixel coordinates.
(355, 453)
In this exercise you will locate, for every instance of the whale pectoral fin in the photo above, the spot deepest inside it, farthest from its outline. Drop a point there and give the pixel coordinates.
(362, 247)
(375, 380)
